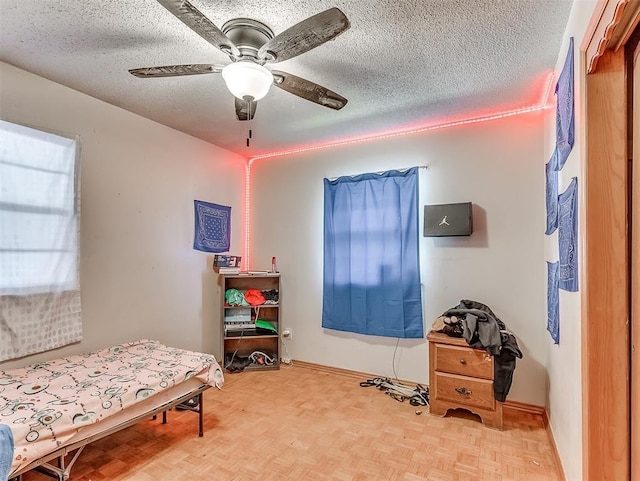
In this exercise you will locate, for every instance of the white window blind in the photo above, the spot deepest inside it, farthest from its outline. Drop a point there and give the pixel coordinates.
(39, 221)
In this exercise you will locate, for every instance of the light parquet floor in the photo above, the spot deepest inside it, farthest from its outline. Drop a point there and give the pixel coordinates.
(305, 424)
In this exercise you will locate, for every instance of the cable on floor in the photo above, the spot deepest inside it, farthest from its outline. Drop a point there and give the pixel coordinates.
(418, 396)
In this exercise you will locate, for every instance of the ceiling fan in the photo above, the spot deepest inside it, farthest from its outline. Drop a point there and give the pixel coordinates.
(250, 45)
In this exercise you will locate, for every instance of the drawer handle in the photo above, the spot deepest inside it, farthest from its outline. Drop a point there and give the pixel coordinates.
(463, 361)
(463, 391)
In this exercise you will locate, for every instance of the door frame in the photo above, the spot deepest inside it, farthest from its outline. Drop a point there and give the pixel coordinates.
(633, 62)
(606, 299)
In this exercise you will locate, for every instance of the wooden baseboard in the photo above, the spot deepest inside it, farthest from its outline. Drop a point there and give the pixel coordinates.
(361, 376)
(547, 427)
(507, 406)
(524, 407)
(542, 412)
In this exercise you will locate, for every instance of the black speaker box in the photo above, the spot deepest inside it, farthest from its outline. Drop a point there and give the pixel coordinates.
(444, 220)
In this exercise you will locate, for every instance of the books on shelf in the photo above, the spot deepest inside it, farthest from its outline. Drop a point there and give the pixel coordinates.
(227, 270)
(226, 264)
(226, 261)
(232, 330)
(238, 315)
(238, 319)
(237, 271)
(238, 326)
(259, 273)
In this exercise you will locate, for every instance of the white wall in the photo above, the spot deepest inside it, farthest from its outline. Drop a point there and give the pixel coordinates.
(495, 165)
(564, 402)
(140, 277)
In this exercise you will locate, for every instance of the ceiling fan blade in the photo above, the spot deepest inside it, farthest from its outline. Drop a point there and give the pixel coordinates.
(308, 90)
(176, 70)
(304, 36)
(245, 109)
(196, 21)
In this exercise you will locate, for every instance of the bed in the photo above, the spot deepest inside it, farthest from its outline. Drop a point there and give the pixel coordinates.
(56, 408)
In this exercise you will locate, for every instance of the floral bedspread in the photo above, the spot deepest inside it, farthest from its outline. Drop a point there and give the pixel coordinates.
(46, 403)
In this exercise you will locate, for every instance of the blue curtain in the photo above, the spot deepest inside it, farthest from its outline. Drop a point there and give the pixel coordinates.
(371, 263)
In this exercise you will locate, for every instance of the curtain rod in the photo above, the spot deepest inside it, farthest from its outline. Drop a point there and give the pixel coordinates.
(381, 171)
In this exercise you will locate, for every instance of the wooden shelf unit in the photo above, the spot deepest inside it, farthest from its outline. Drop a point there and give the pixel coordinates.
(245, 341)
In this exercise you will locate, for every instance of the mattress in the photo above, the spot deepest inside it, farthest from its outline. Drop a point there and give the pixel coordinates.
(58, 403)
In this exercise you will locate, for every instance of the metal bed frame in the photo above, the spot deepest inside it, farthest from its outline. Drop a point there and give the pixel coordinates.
(62, 471)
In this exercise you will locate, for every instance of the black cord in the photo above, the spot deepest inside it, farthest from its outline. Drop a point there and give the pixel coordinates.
(233, 356)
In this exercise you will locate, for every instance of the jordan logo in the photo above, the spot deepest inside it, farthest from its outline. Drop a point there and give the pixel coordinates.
(444, 221)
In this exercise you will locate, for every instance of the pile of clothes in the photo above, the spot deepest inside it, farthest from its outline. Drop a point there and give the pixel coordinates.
(250, 297)
(482, 329)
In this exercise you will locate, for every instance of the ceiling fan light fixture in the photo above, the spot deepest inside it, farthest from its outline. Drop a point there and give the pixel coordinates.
(247, 78)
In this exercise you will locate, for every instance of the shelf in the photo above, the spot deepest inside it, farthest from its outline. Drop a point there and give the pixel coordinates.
(252, 333)
(244, 275)
(257, 367)
(252, 307)
(248, 340)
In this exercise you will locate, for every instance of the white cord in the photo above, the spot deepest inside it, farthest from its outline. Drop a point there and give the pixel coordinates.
(393, 363)
(288, 356)
(267, 359)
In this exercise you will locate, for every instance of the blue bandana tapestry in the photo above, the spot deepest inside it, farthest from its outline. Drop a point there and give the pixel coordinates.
(553, 301)
(565, 116)
(568, 237)
(552, 193)
(212, 227)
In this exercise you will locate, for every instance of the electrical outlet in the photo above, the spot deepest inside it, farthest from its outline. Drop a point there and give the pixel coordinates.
(287, 333)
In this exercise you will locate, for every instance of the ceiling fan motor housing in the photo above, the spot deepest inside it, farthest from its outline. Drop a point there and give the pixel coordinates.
(248, 35)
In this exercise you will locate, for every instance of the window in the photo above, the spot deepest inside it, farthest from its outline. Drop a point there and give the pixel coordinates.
(371, 262)
(39, 224)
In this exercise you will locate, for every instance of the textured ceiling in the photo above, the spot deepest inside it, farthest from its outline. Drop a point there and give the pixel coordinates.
(402, 64)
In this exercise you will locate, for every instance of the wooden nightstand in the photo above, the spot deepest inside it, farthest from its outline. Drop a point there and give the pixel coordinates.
(461, 377)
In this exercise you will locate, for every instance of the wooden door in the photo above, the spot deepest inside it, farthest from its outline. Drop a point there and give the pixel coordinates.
(634, 62)
(610, 299)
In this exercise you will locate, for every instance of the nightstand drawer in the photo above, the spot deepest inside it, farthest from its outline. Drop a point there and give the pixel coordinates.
(463, 361)
(465, 390)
